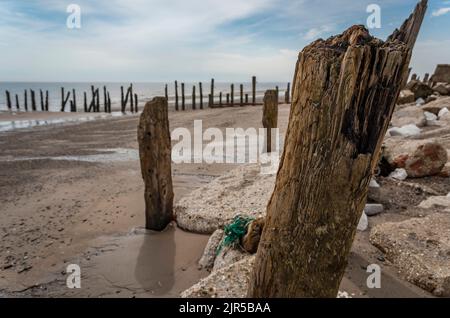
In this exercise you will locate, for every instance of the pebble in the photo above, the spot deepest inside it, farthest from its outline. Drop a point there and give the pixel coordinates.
(373, 184)
(399, 174)
(443, 112)
(372, 209)
(405, 131)
(363, 223)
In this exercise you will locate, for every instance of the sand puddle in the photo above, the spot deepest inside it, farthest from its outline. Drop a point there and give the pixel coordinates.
(143, 264)
(11, 125)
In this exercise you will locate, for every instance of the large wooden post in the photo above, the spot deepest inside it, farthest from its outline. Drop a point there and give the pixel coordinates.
(155, 156)
(340, 113)
(270, 116)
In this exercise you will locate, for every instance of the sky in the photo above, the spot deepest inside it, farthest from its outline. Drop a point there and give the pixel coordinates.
(192, 40)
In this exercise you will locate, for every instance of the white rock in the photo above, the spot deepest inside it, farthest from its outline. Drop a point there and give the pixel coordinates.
(372, 209)
(420, 101)
(448, 195)
(363, 223)
(399, 174)
(373, 183)
(443, 112)
(405, 131)
(430, 116)
(343, 294)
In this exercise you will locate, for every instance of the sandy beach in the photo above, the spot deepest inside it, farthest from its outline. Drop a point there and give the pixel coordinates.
(74, 194)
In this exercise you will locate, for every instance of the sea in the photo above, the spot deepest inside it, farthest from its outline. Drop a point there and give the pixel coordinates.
(144, 91)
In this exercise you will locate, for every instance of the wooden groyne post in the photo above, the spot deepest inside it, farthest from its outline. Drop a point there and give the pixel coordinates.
(200, 88)
(17, 102)
(193, 98)
(176, 95)
(211, 101)
(254, 90)
(155, 158)
(183, 101)
(232, 94)
(270, 116)
(136, 109)
(64, 99)
(241, 89)
(25, 99)
(344, 95)
(33, 100)
(8, 100)
(287, 94)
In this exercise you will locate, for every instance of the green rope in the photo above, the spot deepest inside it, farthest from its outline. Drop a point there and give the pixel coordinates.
(234, 231)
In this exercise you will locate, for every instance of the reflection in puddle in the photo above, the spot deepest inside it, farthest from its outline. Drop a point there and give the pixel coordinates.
(111, 155)
(22, 124)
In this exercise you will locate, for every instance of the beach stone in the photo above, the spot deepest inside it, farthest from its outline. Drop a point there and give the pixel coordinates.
(409, 115)
(363, 223)
(441, 88)
(372, 209)
(210, 252)
(441, 74)
(373, 184)
(242, 191)
(228, 282)
(405, 131)
(440, 202)
(420, 249)
(229, 255)
(399, 174)
(427, 160)
(420, 90)
(405, 97)
(420, 101)
(443, 112)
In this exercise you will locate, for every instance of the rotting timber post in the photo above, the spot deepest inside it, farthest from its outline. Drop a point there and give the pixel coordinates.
(340, 112)
(155, 156)
(270, 116)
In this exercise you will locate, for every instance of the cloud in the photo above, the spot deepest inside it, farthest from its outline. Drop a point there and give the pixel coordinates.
(441, 11)
(314, 33)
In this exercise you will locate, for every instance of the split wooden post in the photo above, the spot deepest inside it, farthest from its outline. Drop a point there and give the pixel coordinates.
(254, 90)
(33, 100)
(8, 100)
(344, 93)
(25, 99)
(270, 116)
(17, 102)
(176, 95)
(193, 98)
(183, 98)
(200, 88)
(232, 94)
(155, 157)
(287, 94)
(64, 99)
(74, 99)
(241, 89)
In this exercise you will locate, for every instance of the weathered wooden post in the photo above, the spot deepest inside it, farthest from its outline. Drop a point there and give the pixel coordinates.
(232, 94)
(8, 100)
(33, 100)
(85, 102)
(287, 94)
(136, 109)
(278, 92)
(25, 99)
(212, 93)
(166, 93)
(105, 100)
(200, 88)
(74, 104)
(17, 102)
(155, 157)
(241, 89)
(210, 101)
(414, 77)
(46, 100)
(254, 90)
(270, 116)
(97, 94)
(109, 104)
(228, 99)
(246, 99)
(64, 99)
(131, 98)
(176, 95)
(220, 99)
(41, 94)
(341, 109)
(122, 100)
(93, 100)
(193, 97)
(183, 106)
